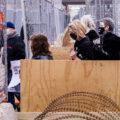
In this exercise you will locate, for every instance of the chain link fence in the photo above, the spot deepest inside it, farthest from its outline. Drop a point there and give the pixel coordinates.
(44, 16)
(14, 13)
(100, 9)
(3, 68)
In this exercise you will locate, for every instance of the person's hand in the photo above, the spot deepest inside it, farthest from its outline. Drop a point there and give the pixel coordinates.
(73, 55)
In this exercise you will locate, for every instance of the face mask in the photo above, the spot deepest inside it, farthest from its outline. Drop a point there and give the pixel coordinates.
(73, 36)
(8, 32)
(101, 30)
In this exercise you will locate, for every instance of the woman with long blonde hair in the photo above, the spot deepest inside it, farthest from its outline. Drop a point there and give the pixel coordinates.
(84, 49)
(82, 46)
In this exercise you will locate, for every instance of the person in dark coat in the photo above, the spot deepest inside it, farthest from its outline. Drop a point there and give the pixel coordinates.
(15, 46)
(40, 47)
(22, 33)
(84, 48)
(111, 42)
(93, 35)
(15, 51)
(1, 39)
(89, 23)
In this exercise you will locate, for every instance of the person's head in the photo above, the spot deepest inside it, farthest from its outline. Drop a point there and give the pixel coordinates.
(40, 45)
(88, 21)
(106, 24)
(77, 30)
(10, 28)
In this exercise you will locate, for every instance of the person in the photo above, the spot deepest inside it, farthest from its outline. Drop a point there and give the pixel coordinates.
(40, 47)
(15, 51)
(111, 42)
(1, 39)
(84, 49)
(82, 46)
(88, 21)
(22, 33)
(93, 35)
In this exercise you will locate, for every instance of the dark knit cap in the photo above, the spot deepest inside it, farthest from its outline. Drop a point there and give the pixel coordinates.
(10, 25)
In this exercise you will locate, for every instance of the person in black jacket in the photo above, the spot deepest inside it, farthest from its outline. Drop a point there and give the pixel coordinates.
(92, 34)
(84, 49)
(16, 46)
(111, 42)
(89, 23)
(15, 51)
(40, 47)
(1, 39)
(22, 33)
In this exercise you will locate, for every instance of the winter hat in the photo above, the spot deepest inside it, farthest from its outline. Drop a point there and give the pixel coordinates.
(10, 25)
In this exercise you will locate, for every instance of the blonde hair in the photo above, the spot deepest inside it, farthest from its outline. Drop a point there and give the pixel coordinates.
(66, 39)
(78, 28)
(87, 20)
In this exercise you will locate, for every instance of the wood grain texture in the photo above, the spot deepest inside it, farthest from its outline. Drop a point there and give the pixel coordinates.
(43, 81)
(27, 116)
(60, 53)
(53, 116)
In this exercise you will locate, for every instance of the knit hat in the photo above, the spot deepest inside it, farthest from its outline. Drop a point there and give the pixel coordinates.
(10, 25)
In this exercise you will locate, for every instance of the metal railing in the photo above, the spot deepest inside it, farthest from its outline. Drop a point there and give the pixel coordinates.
(3, 68)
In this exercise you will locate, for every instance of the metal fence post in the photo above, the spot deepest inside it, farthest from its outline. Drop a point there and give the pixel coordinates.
(25, 29)
(5, 72)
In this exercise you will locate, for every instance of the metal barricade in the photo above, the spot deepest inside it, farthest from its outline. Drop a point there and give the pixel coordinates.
(3, 39)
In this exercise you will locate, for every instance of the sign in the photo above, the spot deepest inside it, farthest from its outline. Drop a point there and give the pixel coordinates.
(1, 20)
(14, 85)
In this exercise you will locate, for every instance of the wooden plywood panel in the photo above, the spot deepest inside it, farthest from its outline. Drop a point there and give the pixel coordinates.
(60, 53)
(27, 116)
(43, 81)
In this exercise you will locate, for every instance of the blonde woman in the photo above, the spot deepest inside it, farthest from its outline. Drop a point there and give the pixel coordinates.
(88, 21)
(83, 46)
(84, 49)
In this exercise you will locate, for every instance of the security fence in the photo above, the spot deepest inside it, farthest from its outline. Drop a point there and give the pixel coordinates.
(44, 16)
(3, 68)
(14, 13)
(103, 8)
(100, 9)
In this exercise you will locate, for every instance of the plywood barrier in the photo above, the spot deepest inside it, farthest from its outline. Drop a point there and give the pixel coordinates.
(27, 116)
(60, 53)
(43, 81)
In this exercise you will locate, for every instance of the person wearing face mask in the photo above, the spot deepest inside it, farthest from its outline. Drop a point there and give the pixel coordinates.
(16, 46)
(111, 42)
(84, 48)
(1, 40)
(15, 51)
(92, 34)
